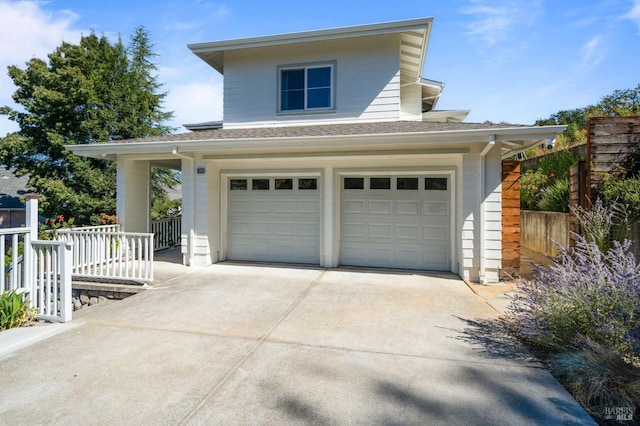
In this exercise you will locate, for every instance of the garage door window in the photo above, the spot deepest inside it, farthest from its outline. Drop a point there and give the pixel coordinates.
(353, 183)
(260, 184)
(405, 183)
(238, 184)
(435, 184)
(284, 184)
(307, 183)
(380, 183)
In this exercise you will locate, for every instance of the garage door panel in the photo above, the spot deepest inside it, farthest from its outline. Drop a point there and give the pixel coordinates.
(396, 228)
(282, 250)
(308, 230)
(380, 207)
(353, 253)
(440, 208)
(380, 231)
(260, 228)
(239, 207)
(380, 255)
(239, 228)
(354, 206)
(408, 208)
(308, 207)
(409, 232)
(309, 253)
(435, 233)
(407, 256)
(283, 229)
(353, 230)
(436, 258)
(260, 206)
(285, 206)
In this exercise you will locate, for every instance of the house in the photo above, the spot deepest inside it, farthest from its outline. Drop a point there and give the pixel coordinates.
(331, 153)
(12, 207)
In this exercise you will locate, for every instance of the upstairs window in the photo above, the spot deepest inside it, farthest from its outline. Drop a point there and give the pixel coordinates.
(306, 88)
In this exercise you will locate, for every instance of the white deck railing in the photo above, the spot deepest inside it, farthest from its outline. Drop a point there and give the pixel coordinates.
(99, 228)
(166, 232)
(41, 268)
(11, 261)
(110, 255)
(52, 295)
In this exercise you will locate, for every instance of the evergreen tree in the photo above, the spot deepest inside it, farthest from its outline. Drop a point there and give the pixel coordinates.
(91, 92)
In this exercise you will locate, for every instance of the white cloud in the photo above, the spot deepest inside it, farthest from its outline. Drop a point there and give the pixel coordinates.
(210, 13)
(593, 52)
(495, 19)
(27, 31)
(634, 13)
(195, 101)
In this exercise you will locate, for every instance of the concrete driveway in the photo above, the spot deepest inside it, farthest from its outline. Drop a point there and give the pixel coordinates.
(246, 344)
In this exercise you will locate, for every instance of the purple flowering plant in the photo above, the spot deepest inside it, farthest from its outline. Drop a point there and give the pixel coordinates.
(590, 294)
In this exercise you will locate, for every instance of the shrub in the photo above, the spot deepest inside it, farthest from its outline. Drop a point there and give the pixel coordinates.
(558, 164)
(622, 194)
(530, 185)
(48, 229)
(14, 310)
(598, 378)
(555, 197)
(585, 294)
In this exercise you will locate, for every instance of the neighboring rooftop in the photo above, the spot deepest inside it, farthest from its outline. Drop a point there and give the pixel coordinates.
(11, 189)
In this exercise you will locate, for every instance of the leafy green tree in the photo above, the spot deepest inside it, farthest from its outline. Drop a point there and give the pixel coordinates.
(575, 120)
(620, 103)
(91, 92)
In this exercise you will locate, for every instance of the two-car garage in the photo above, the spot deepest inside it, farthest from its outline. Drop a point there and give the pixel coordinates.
(390, 220)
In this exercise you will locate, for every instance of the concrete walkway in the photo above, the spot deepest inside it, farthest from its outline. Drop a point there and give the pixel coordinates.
(248, 344)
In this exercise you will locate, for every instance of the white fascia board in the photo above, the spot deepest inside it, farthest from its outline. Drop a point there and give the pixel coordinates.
(305, 36)
(431, 83)
(314, 143)
(425, 44)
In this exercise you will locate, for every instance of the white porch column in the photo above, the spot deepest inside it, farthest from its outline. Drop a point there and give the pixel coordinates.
(195, 211)
(201, 248)
(133, 204)
(188, 208)
(492, 216)
(470, 200)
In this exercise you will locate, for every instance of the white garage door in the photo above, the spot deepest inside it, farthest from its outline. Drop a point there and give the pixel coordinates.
(396, 222)
(274, 219)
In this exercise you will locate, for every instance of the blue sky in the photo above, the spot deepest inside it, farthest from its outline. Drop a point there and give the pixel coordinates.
(505, 60)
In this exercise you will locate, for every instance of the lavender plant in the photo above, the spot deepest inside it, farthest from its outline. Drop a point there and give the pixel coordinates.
(586, 295)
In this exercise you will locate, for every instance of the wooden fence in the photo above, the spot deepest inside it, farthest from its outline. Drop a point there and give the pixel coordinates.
(613, 149)
(510, 219)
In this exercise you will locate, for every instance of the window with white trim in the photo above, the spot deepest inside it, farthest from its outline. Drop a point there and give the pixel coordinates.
(305, 88)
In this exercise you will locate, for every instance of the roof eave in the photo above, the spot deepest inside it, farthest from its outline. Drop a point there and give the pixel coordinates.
(518, 136)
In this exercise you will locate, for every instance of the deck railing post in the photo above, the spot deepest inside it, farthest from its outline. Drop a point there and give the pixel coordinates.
(66, 265)
(31, 222)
